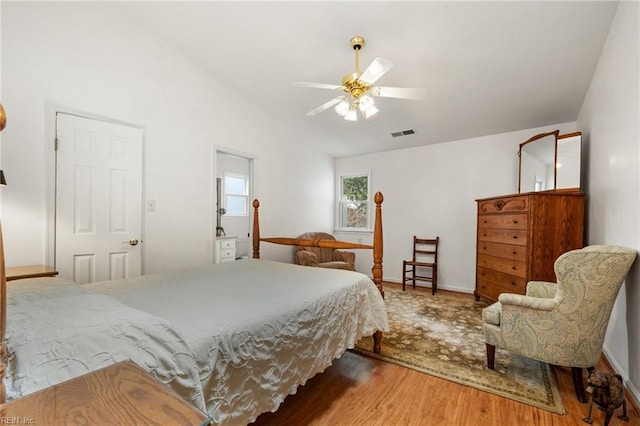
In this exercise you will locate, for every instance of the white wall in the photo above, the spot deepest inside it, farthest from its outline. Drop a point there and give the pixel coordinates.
(610, 120)
(86, 57)
(431, 191)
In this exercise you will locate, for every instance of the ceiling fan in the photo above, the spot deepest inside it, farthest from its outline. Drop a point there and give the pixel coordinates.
(359, 90)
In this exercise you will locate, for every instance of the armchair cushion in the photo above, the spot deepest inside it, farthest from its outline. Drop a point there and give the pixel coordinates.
(542, 289)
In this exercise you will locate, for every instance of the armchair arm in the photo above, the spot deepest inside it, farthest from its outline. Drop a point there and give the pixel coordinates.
(542, 289)
(518, 300)
(345, 256)
(306, 258)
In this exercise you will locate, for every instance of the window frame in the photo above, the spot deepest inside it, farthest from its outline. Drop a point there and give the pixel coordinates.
(340, 201)
(245, 195)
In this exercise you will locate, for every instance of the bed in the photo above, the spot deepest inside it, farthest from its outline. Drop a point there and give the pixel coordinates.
(256, 331)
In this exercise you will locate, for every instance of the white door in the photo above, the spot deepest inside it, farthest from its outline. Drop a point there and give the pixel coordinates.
(98, 199)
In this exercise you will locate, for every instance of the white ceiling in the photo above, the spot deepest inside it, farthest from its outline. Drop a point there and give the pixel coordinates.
(487, 67)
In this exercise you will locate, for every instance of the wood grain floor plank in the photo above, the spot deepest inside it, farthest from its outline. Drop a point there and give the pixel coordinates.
(357, 390)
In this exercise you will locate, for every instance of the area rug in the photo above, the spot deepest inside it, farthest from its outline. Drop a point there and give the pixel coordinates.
(442, 336)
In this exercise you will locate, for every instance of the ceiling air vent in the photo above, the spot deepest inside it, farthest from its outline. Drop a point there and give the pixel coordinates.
(403, 133)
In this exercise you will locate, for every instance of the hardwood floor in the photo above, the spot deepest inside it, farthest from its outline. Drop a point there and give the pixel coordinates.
(357, 390)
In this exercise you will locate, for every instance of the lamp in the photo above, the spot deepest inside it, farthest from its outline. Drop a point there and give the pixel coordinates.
(3, 181)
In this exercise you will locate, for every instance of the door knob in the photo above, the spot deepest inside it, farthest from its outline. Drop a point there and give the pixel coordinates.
(133, 242)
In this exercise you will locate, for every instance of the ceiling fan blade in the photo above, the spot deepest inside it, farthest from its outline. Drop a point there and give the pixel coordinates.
(399, 92)
(317, 85)
(375, 70)
(324, 106)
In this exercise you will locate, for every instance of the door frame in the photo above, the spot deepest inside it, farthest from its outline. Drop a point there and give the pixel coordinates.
(253, 161)
(51, 112)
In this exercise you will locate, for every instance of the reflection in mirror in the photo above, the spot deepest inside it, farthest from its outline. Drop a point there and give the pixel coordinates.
(568, 161)
(537, 163)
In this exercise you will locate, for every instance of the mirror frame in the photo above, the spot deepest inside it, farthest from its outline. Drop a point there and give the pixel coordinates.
(555, 156)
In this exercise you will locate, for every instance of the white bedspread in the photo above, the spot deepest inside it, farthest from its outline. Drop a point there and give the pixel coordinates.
(258, 329)
(57, 331)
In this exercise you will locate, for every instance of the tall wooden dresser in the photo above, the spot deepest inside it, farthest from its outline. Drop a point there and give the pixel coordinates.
(520, 237)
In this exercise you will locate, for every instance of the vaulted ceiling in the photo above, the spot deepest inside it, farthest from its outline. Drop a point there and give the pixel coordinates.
(486, 67)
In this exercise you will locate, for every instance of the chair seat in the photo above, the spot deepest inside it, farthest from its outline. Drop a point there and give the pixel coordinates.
(336, 264)
(425, 264)
(491, 314)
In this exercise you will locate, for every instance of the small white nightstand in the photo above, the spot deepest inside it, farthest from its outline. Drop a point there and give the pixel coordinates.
(225, 249)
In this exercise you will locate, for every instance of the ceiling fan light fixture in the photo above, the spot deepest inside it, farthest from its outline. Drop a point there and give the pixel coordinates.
(366, 102)
(352, 115)
(343, 107)
(369, 112)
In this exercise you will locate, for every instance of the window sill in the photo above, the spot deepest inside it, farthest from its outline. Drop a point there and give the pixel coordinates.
(353, 231)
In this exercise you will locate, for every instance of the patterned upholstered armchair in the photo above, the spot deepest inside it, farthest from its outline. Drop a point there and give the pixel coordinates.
(323, 257)
(565, 323)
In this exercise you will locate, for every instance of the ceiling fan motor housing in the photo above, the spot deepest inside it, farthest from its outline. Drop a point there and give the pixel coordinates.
(354, 86)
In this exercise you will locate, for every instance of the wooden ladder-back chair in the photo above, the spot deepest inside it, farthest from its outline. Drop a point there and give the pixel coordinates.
(425, 256)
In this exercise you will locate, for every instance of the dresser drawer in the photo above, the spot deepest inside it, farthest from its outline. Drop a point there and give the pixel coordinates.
(508, 266)
(227, 244)
(506, 236)
(504, 205)
(491, 290)
(503, 221)
(492, 283)
(228, 254)
(507, 251)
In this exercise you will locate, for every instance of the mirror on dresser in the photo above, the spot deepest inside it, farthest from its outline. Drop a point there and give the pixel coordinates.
(550, 161)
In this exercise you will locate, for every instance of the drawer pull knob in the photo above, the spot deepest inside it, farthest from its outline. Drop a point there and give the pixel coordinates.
(515, 237)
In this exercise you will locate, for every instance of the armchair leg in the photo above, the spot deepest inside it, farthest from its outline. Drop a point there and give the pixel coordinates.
(578, 384)
(491, 356)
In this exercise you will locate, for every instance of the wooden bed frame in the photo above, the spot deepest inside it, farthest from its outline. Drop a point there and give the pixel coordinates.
(377, 248)
(377, 272)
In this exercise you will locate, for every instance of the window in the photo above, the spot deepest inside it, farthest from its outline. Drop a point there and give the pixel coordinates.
(353, 204)
(236, 194)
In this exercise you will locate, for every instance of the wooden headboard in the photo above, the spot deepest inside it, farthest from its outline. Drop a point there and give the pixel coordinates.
(377, 248)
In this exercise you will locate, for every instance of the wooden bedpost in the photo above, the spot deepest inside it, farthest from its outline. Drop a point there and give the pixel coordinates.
(256, 230)
(377, 243)
(3, 321)
(377, 262)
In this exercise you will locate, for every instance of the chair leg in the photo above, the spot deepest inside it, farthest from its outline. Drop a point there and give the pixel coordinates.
(434, 280)
(404, 274)
(578, 384)
(491, 356)
(413, 275)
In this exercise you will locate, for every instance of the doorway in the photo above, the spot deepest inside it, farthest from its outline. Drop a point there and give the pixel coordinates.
(98, 199)
(234, 191)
